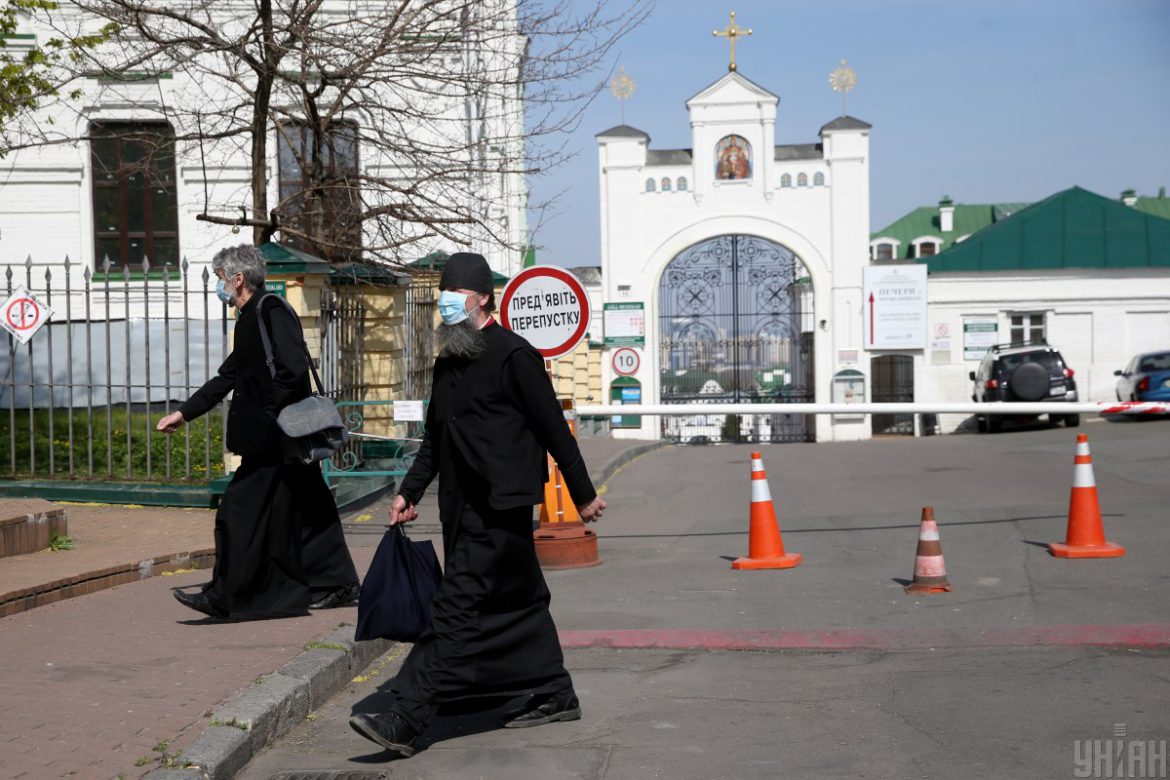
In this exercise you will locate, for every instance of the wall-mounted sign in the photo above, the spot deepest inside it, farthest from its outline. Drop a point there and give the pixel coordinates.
(895, 306)
(979, 335)
(548, 307)
(23, 314)
(625, 324)
(848, 388)
(626, 361)
(625, 391)
(409, 411)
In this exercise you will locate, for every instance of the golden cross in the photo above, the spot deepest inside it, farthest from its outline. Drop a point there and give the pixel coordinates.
(732, 32)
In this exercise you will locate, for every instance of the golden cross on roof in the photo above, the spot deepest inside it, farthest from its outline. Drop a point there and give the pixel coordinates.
(732, 32)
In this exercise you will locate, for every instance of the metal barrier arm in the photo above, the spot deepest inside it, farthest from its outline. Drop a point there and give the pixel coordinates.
(1086, 407)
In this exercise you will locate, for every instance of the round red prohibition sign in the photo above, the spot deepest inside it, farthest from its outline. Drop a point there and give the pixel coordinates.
(548, 306)
(23, 314)
(626, 361)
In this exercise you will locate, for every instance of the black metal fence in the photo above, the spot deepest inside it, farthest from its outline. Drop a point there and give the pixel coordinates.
(123, 347)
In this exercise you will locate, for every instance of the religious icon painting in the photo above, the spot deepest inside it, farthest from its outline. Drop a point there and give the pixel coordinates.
(733, 158)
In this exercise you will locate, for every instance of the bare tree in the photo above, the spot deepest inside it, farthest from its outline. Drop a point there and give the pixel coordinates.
(369, 128)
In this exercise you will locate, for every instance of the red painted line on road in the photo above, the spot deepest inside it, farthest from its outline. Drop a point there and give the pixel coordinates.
(1144, 635)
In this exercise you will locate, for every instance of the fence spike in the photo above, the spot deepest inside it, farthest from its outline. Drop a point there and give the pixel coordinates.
(106, 265)
(185, 265)
(145, 264)
(68, 264)
(205, 276)
(48, 273)
(28, 262)
(8, 274)
(126, 272)
(86, 275)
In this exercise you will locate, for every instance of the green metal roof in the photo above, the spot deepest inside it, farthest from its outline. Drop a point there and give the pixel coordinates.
(285, 259)
(437, 261)
(1159, 206)
(1071, 229)
(924, 221)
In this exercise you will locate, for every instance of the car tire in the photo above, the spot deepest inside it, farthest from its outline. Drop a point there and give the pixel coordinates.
(1072, 420)
(994, 425)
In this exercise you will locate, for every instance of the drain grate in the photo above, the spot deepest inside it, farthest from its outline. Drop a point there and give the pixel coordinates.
(333, 774)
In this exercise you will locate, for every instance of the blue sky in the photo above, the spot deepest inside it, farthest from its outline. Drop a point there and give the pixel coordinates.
(983, 100)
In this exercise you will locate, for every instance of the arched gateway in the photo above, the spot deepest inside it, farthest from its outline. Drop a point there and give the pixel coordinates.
(736, 326)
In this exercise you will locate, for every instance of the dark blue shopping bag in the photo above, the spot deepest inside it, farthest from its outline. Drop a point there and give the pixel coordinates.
(395, 600)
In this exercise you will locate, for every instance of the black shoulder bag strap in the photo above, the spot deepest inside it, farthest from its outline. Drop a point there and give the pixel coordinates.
(269, 359)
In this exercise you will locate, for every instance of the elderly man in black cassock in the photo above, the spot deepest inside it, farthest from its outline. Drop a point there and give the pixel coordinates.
(279, 547)
(493, 415)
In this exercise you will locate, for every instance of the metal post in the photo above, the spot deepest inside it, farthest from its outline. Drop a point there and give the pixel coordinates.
(109, 375)
(69, 354)
(187, 389)
(129, 412)
(88, 277)
(166, 277)
(32, 420)
(146, 354)
(52, 398)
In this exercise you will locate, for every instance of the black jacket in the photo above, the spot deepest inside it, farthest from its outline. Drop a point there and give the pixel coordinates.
(257, 398)
(502, 415)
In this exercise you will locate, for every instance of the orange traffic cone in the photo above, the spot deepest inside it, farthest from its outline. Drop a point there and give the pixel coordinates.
(1086, 535)
(765, 547)
(930, 573)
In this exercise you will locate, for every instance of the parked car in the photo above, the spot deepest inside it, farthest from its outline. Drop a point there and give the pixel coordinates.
(1028, 372)
(1146, 378)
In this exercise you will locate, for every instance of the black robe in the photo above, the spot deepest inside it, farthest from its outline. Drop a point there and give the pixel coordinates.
(489, 425)
(278, 538)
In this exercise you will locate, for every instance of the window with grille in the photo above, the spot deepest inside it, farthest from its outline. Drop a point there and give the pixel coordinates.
(135, 202)
(649, 185)
(884, 252)
(325, 207)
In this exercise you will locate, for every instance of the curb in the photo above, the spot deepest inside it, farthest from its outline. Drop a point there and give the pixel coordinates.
(246, 724)
(611, 466)
(22, 600)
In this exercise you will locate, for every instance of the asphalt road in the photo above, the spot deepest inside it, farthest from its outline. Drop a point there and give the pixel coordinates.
(849, 676)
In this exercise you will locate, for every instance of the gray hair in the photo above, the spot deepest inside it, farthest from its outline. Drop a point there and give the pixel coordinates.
(243, 259)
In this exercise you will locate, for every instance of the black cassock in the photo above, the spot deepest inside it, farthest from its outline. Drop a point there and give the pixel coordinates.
(278, 537)
(489, 425)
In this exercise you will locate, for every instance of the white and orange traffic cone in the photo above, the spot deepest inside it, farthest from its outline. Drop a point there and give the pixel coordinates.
(930, 572)
(765, 546)
(1086, 535)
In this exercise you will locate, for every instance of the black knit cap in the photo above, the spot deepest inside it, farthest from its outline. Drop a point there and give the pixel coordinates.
(467, 271)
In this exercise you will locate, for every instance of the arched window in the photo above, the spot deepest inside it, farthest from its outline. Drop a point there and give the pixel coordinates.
(649, 185)
(802, 180)
(682, 184)
(818, 179)
(884, 252)
(666, 184)
(733, 158)
(927, 249)
(786, 180)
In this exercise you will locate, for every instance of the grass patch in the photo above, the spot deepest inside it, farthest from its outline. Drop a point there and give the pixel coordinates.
(58, 542)
(38, 453)
(326, 646)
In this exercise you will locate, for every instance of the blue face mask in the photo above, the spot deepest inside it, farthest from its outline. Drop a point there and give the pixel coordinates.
(453, 307)
(222, 293)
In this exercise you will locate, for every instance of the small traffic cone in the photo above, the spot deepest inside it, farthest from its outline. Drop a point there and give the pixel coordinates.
(930, 573)
(765, 546)
(1086, 535)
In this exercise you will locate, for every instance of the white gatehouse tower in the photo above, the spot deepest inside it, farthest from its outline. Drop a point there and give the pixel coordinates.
(746, 258)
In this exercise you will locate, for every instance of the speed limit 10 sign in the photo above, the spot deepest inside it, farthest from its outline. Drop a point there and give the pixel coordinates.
(626, 361)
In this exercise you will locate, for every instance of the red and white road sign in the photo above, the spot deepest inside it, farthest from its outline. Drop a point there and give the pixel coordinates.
(23, 314)
(626, 361)
(548, 307)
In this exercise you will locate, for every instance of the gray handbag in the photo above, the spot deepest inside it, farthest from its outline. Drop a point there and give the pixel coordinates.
(313, 426)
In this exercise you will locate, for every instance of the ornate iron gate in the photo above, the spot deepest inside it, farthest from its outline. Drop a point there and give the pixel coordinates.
(893, 382)
(736, 324)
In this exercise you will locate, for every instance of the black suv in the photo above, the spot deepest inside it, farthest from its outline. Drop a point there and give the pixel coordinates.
(1032, 371)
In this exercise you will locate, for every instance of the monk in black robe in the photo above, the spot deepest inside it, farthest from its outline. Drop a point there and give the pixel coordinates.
(493, 416)
(279, 547)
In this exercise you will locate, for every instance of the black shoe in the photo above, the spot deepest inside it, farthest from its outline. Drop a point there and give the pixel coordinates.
(558, 706)
(388, 730)
(200, 603)
(342, 597)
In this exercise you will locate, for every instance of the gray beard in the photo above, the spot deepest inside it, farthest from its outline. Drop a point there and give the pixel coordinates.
(462, 340)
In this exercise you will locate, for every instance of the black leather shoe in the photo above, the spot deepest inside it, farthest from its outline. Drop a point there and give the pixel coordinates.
(200, 603)
(342, 597)
(388, 730)
(547, 709)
